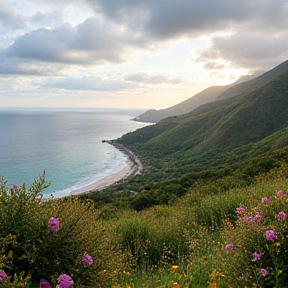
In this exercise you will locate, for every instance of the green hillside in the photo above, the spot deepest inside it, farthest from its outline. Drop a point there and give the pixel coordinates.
(216, 133)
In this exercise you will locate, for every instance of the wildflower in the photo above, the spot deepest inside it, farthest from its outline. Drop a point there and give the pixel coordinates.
(280, 193)
(257, 218)
(13, 187)
(257, 256)
(264, 272)
(239, 210)
(248, 219)
(53, 224)
(281, 215)
(229, 246)
(174, 267)
(3, 275)
(44, 284)
(87, 259)
(265, 200)
(212, 285)
(64, 281)
(277, 244)
(271, 235)
(216, 274)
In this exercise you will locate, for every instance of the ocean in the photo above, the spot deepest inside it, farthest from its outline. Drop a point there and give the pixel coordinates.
(66, 143)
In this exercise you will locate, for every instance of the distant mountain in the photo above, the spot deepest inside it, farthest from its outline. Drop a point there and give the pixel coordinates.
(207, 95)
(217, 133)
(251, 84)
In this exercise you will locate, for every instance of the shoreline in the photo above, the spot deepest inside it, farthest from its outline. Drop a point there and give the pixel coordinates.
(133, 167)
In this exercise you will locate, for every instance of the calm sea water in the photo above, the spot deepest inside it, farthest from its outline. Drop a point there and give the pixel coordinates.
(67, 144)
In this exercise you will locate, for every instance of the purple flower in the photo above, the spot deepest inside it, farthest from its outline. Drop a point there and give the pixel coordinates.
(3, 275)
(265, 200)
(53, 224)
(271, 235)
(258, 218)
(239, 210)
(44, 284)
(257, 256)
(248, 219)
(64, 281)
(229, 246)
(63, 285)
(280, 193)
(264, 272)
(281, 215)
(87, 259)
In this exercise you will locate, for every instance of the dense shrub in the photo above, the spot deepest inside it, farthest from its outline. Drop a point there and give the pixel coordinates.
(30, 243)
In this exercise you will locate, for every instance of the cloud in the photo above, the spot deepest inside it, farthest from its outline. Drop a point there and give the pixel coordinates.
(88, 83)
(90, 43)
(9, 18)
(246, 50)
(172, 19)
(147, 78)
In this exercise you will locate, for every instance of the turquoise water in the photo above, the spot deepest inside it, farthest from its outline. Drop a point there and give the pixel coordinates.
(66, 143)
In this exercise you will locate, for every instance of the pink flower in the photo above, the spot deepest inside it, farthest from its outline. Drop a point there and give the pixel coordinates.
(265, 200)
(64, 281)
(280, 193)
(258, 218)
(53, 224)
(3, 275)
(257, 256)
(248, 219)
(281, 215)
(271, 235)
(229, 246)
(264, 272)
(87, 259)
(239, 210)
(44, 284)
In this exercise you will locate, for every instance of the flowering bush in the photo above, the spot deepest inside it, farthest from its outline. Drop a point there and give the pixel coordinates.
(260, 245)
(43, 239)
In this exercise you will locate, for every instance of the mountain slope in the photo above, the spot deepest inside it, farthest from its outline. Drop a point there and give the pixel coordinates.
(251, 84)
(207, 95)
(216, 133)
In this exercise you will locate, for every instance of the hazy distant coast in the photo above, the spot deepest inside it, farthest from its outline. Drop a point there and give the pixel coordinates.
(133, 167)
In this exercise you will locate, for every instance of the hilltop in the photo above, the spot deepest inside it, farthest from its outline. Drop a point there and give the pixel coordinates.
(245, 133)
(213, 93)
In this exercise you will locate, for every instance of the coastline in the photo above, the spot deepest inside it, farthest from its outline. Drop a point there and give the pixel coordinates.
(133, 167)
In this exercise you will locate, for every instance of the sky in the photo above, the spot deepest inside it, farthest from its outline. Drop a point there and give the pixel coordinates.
(133, 53)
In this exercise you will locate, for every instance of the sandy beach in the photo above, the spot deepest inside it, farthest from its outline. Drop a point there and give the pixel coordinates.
(133, 167)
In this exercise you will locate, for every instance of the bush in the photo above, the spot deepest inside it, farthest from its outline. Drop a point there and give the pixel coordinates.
(29, 245)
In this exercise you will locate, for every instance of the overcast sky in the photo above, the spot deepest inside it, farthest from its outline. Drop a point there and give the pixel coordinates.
(133, 53)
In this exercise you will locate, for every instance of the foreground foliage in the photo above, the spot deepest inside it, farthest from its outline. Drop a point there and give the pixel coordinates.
(234, 238)
(33, 246)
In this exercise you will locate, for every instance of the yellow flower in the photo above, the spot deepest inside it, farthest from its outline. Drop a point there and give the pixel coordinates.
(277, 244)
(279, 272)
(215, 274)
(174, 267)
(212, 285)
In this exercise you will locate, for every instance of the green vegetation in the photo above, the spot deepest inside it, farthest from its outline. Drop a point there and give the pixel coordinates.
(196, 242)
(209, 211)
